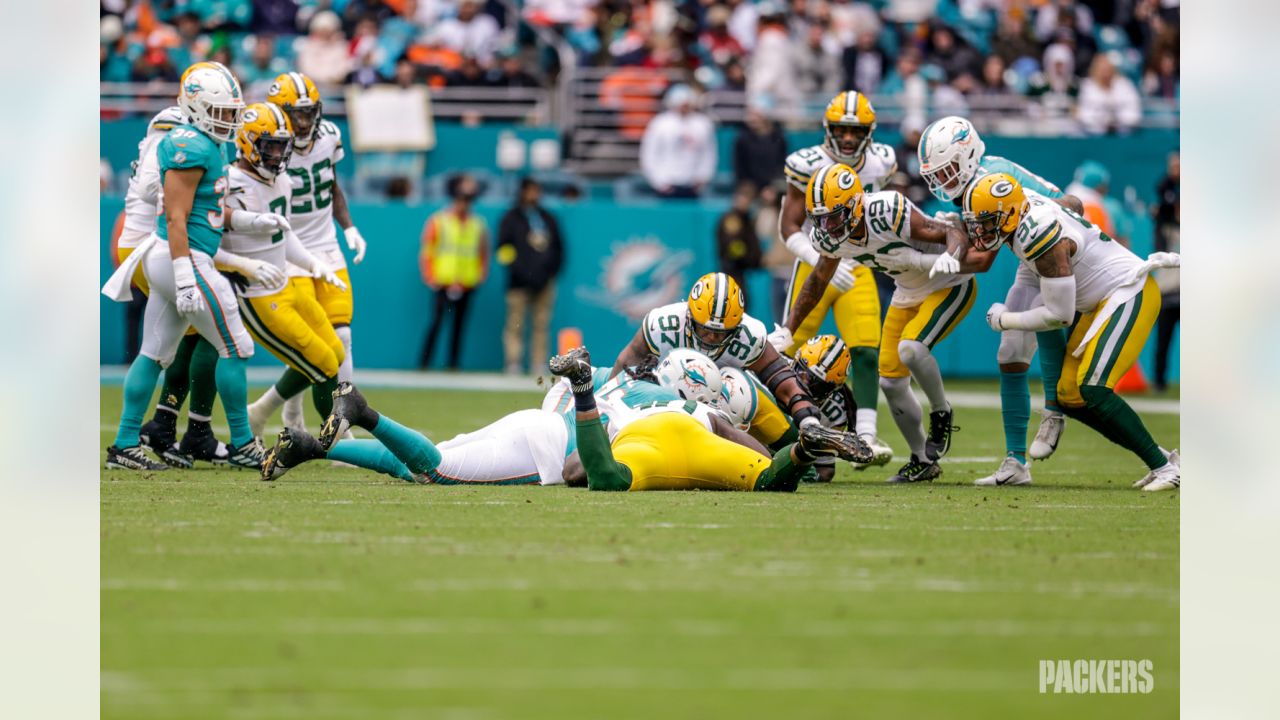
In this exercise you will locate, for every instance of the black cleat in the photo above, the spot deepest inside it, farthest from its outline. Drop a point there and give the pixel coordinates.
(917, 471)
(200, 444)
(940, 429)
(163, 441)
(293, 447)
(132, 458)
(575, 365)
(822, 441)
(349, 408)
(248, 455)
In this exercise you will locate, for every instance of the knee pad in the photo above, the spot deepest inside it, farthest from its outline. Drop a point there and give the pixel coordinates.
(1016, 346)
(912, 350)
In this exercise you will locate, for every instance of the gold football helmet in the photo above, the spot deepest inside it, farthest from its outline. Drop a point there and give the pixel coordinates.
(993, 206)
(715, 310)
(265, 140)
(833, 203)
(823, 364)
(300, 100)
(848, 123)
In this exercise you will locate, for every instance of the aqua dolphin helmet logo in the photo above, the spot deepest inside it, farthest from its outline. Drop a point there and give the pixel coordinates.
(192, 87)
(693, 374)
(961, 135)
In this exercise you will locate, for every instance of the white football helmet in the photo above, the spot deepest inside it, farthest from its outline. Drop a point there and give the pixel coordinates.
(210, 97)
(692, 375)
(950, 152)
(738, 397)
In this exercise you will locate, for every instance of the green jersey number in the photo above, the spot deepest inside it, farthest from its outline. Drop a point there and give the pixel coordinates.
(739, 349)
(669, 327)
(278, 206)
(316, 191)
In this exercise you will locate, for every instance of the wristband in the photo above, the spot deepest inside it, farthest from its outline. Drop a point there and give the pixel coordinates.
(184, 274)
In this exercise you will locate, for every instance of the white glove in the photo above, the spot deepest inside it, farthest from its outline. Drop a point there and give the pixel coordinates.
(187, 296)
(799, 245)
(945, 265)
(993, 316)
(246, 221)
(321, 271)
(1154, 261)
(265, 274)
(355, 243)
(951, 218)
(781, 338)
(842, 279)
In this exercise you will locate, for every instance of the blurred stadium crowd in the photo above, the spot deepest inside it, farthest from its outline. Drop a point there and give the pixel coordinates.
(1091, 64)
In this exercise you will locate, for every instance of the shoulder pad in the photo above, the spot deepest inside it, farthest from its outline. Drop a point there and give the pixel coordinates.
(886, 211)
(166, 120)
(757, 334)
(803, 162)
(1037, 233)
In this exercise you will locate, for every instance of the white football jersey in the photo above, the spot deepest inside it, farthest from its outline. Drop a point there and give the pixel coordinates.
(142, 199)
(311, 209)
(878, 163)
(246, 192)
(887, 246)
(667, 327)
(620, 416)
(1100, 265)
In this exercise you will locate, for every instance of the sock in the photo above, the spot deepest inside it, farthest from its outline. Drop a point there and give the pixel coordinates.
(291, 383)
(864, 373)
(204, 384)
(322, 396)
(165, 416)
(1015, 410)
(1123, 426)
(864, 421)
(234, 389)
(906, 412)
(371, 455)
(198, 427)
(139, 386)
(924, 369)
(1053, 351)
(410, 446)
(177, 382)
(271, 400)
(346, 370)
(783, 474)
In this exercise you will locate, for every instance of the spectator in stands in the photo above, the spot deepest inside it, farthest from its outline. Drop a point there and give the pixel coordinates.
(454, 262)
(154, 64)
(951, 54)
(864, 64)
(1168, 215)
(909, 164)
(735, 77)
(1013, 40)
(759, 150)
(1090, 183)
(678, 150)
(720, 45)
(993, 82)
(510, 72)
(471, 31)
(366, 54)
(263, 66)
(1057, 14)
(470, 74)
(737, 245)
(529, 244)
(907, 82)
(1161, 79)
(743, 21)
(190, 46)
(816, 66)
(771, 74)
(323, 53)
(1109, 102)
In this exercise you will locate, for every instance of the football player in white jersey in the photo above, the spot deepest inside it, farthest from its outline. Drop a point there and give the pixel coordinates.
(1093, 290)
(292, 326)
(952, 157)
(317, 201)
(849, 122)
(714, 322)
(884, 230)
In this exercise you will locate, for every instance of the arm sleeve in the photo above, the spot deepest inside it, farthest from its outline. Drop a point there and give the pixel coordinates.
(1059, 309)
(603, 472)
(295, 253)
(799, 245)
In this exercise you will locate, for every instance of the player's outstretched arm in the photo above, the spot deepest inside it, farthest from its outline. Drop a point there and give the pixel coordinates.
(779, 377)
(633, 354)
(811, 292)
(726, 430)
(1057, 290)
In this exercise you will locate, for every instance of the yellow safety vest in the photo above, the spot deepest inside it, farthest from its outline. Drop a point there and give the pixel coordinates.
(457, 252)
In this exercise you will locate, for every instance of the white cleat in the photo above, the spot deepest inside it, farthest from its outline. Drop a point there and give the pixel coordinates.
(1046, 441)
(1010, 472)
(1174, 461)
(291, 416)
(881, 451)
(258, 416)
(1168, 477)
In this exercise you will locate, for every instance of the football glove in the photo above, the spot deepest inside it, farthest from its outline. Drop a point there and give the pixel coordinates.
(321, 271)
(355, 243)
(781, 338)
(187, 296)
(842, 279)
(993, 316)
(945, 265)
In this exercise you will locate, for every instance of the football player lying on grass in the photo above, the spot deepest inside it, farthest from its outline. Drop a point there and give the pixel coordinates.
(672, 451)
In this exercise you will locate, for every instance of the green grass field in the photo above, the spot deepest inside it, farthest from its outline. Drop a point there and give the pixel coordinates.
(337, 593)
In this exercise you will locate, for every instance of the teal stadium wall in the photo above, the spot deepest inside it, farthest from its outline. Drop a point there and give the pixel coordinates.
(621, 259)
